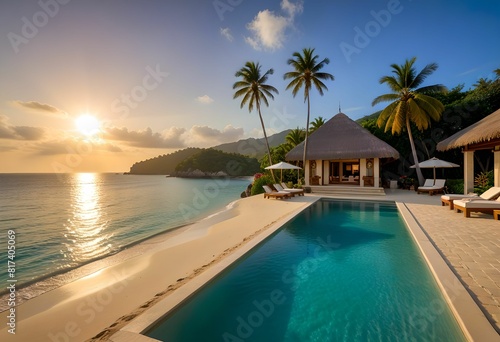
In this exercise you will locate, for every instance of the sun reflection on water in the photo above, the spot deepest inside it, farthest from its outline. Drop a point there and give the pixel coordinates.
(86, 226)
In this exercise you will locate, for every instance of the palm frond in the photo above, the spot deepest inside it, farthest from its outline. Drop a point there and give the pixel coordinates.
(399, 117)
(385, 98)
(436, 88)
(320, 86)
(422, 75)
(386, 113)
(418, 115)
(324, 76)
(432, 106)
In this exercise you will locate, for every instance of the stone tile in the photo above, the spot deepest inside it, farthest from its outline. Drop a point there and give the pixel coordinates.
(487, 300)
(471, 246)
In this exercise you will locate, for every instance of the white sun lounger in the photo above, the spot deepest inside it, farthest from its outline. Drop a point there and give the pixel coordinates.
(487, 195)
(437, 187)
(294, 192)
(472, 205)
(275, 194)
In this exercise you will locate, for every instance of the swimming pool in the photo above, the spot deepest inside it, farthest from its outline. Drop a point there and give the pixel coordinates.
(338, 271)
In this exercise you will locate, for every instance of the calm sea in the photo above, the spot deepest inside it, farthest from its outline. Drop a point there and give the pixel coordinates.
(62, 221)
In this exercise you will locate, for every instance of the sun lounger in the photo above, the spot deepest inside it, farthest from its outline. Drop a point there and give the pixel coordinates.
(283, 187)
(472, 205)
(275, 194)
(428, 182)
(437, 187)
(487, 195)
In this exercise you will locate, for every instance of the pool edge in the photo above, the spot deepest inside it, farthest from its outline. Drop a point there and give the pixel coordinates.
(472, 321)
(134, 331)
(474, 324)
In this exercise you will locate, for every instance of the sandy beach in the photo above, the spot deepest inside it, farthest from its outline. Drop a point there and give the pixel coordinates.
(99, 304)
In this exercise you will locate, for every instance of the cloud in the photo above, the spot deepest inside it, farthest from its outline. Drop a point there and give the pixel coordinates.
(208, 135)
(72, 146)
(352, 109)
(170, 138)
(269, 30)
(292, 9)
(8, 131)
(41, 107)
(205, 99)
(226, 33)
(468, 72)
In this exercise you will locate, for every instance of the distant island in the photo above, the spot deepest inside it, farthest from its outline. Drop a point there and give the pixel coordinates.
(231, 159)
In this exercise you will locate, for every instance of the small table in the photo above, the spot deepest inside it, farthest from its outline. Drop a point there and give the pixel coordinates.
(496, 214)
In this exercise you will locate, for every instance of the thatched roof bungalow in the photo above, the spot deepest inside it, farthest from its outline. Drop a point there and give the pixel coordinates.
(343, 152)
(483, 135)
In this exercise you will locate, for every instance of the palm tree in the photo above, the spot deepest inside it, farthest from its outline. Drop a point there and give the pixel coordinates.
(306, 74)
(482, 83)
(295, 137)
(317, 123)
(410, 104)
(497, 74)
(254, 91)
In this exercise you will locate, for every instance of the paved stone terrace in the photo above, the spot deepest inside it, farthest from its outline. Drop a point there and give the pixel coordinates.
(471, 246)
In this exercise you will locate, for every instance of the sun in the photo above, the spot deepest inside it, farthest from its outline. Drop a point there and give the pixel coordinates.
(88, 125)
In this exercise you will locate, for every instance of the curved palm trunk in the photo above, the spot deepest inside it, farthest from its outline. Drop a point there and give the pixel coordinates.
(304, 155)
(414, 152)
(267, 143)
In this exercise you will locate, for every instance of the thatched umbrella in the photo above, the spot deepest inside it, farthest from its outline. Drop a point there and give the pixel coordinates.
(434, 163)
(283, 166)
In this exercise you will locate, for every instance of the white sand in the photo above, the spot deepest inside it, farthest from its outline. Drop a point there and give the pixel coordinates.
(114, 295)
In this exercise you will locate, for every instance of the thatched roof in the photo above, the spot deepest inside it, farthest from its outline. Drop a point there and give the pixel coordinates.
(482, 131)
(342, 138)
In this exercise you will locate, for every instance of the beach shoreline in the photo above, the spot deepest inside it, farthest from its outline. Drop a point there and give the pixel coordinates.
(96, 304)
(35, 287)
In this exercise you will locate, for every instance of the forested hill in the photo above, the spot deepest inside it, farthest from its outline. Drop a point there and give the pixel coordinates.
(210, 162)
(164, 164)
(197, 162)
(252, 147)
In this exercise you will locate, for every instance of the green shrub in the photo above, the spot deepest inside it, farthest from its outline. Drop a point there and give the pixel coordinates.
(259, 182)
(483, 182)
(455, 186)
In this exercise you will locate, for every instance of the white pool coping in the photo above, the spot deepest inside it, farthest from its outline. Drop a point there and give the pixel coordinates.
(470, 318)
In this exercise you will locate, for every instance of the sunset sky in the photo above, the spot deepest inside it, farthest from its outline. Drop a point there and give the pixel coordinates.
(96, 85)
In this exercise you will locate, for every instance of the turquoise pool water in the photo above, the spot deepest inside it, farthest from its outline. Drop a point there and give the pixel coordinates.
(339, 271)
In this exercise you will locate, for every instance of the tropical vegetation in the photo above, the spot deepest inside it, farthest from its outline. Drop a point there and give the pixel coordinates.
(462, 109)
(316, 123)
(214, 161)
(306, 74)
(254, 90)
(409, 103)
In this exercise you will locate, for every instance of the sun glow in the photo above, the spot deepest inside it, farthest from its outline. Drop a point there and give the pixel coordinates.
(88, 125)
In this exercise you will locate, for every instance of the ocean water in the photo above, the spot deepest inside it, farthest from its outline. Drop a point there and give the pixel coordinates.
(63, 221)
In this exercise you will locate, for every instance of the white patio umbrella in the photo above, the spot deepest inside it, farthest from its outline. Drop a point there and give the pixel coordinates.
(435, 163)
(283, 166)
